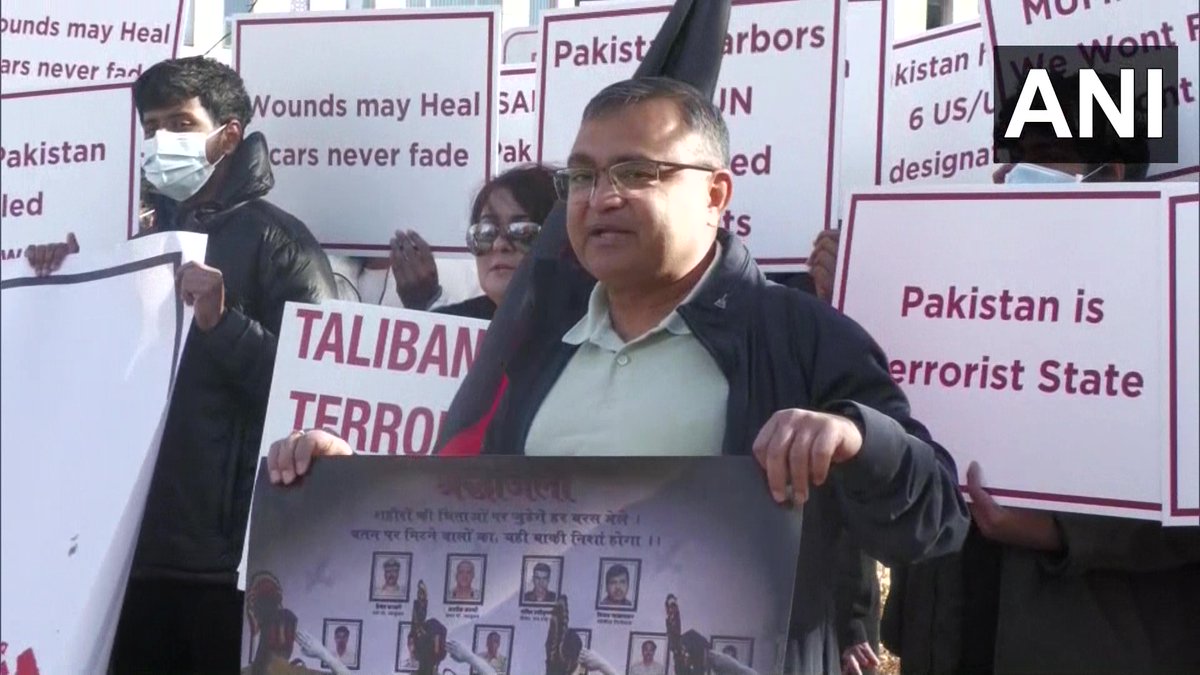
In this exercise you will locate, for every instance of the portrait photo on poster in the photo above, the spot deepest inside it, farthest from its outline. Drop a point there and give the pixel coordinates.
(406, 649)
(343, 639)
(617, 588)
(465, 579)
(739, 649)
(494, 645)
(541, 580)
(585, 636)
(391, 573)
(648, 654)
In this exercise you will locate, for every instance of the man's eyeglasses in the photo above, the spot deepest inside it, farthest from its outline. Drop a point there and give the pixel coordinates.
(482, 236)
(578, 184)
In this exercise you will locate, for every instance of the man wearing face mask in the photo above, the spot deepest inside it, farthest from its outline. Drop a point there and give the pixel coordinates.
(182, 608)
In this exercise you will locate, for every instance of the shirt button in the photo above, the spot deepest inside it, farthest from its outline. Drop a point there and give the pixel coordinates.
(622, 360)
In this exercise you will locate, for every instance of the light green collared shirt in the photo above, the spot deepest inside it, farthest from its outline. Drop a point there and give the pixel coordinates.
(660, 394)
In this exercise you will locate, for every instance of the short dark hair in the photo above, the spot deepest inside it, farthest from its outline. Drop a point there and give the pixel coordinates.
(541, 567)
(616, 571)
(651, 643)
(341, 630)
(171, 82)
(493, 634)
(698, 112)
(532, 185)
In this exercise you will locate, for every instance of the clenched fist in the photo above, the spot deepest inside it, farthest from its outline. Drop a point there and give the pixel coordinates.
(203, 288)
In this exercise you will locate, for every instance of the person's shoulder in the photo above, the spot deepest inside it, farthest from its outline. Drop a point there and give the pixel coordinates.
(279, 225)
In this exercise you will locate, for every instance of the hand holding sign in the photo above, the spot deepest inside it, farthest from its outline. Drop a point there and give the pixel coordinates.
(801, 445)
(414, 269)
(291, 457)
(203, 288)
(47, 258)
(1033, 530)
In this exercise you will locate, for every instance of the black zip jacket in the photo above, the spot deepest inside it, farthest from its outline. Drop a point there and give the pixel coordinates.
(199, 500)
(780, 348)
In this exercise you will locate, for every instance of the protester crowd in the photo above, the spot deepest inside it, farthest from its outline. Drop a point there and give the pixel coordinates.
(723, 360)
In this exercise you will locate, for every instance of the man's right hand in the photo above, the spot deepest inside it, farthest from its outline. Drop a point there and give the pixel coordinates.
(823, 262)
(47, 258)
(291, 457)
(415, 270)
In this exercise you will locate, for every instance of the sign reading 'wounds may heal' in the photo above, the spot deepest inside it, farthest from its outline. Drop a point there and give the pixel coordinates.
(1047, 369)
(77, 43)
(779, 89)
(381, 378)
(61, 176)
(358, 151)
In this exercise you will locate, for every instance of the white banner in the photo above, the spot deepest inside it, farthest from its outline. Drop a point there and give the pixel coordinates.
(1102, 30)
(74, 43)
(380, 377)
(62, 176)
(779, 88)
(82, 422)
(1182, 484)
(866, 31)
(935, 126)
(520, 45)
(362, 145)
(518, 115)
(1050, 369)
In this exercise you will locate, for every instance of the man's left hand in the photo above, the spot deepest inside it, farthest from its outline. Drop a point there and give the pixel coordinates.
(1033, 530)
(203, 288)
(799, 446)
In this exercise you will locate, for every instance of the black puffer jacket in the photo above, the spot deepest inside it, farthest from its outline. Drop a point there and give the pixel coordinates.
(199, 499)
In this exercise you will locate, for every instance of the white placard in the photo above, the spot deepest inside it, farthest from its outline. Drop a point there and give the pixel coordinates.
(382, 378)
(362, 145)
(518, 115)
(57, 44)
(62, 176)
(520, 45)
(1061, 390)
(1182, 483)
(866, 30)
(779, 88)
(935, 126)
(72, 503)
(1101, 30)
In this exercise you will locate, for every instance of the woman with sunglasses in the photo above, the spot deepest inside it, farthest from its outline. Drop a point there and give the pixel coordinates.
(505, 219)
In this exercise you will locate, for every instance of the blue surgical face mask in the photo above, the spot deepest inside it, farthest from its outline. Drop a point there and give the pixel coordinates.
(1034, 174)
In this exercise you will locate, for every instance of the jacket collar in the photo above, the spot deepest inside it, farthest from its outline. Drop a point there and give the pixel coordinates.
(249, 177)
(726, 296)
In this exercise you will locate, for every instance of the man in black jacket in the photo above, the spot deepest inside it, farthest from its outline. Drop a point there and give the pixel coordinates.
(182, 610)
(750, 366)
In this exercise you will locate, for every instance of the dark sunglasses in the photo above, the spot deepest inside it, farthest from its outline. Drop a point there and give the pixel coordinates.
(482, 236)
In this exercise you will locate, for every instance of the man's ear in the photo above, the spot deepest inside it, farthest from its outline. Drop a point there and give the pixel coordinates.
(229, 137)
(720, 193)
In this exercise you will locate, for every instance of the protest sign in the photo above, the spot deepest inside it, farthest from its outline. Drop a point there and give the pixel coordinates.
(866, 30)
(83, 422)
(1104, 32)
(367, 553)
(520, 45)
(61, 176)
(518, 116)
(1048, 369)
(360, 150)
(75, 43)
(1183, 467)
(379, 377)
(779, 88)
(935, 125)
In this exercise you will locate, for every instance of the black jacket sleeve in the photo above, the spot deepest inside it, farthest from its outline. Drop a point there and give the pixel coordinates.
(857, 598)
(243, 347)
(899, 496)
(1100, 543)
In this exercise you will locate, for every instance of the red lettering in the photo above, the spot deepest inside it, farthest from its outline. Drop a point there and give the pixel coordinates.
(331, 339)
(302, 399)
(913, 297)
(380, 345)
(325, 418)
(387, 422)
(354, 421)
(308, 316)
(355, 333)
(426, 417)
(404, 337)
(464, 356)
(435, 352)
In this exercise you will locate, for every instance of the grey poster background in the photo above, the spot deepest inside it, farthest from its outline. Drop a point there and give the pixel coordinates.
(703, 529)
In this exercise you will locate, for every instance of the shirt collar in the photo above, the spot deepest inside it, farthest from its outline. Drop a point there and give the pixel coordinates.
(596, 325)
